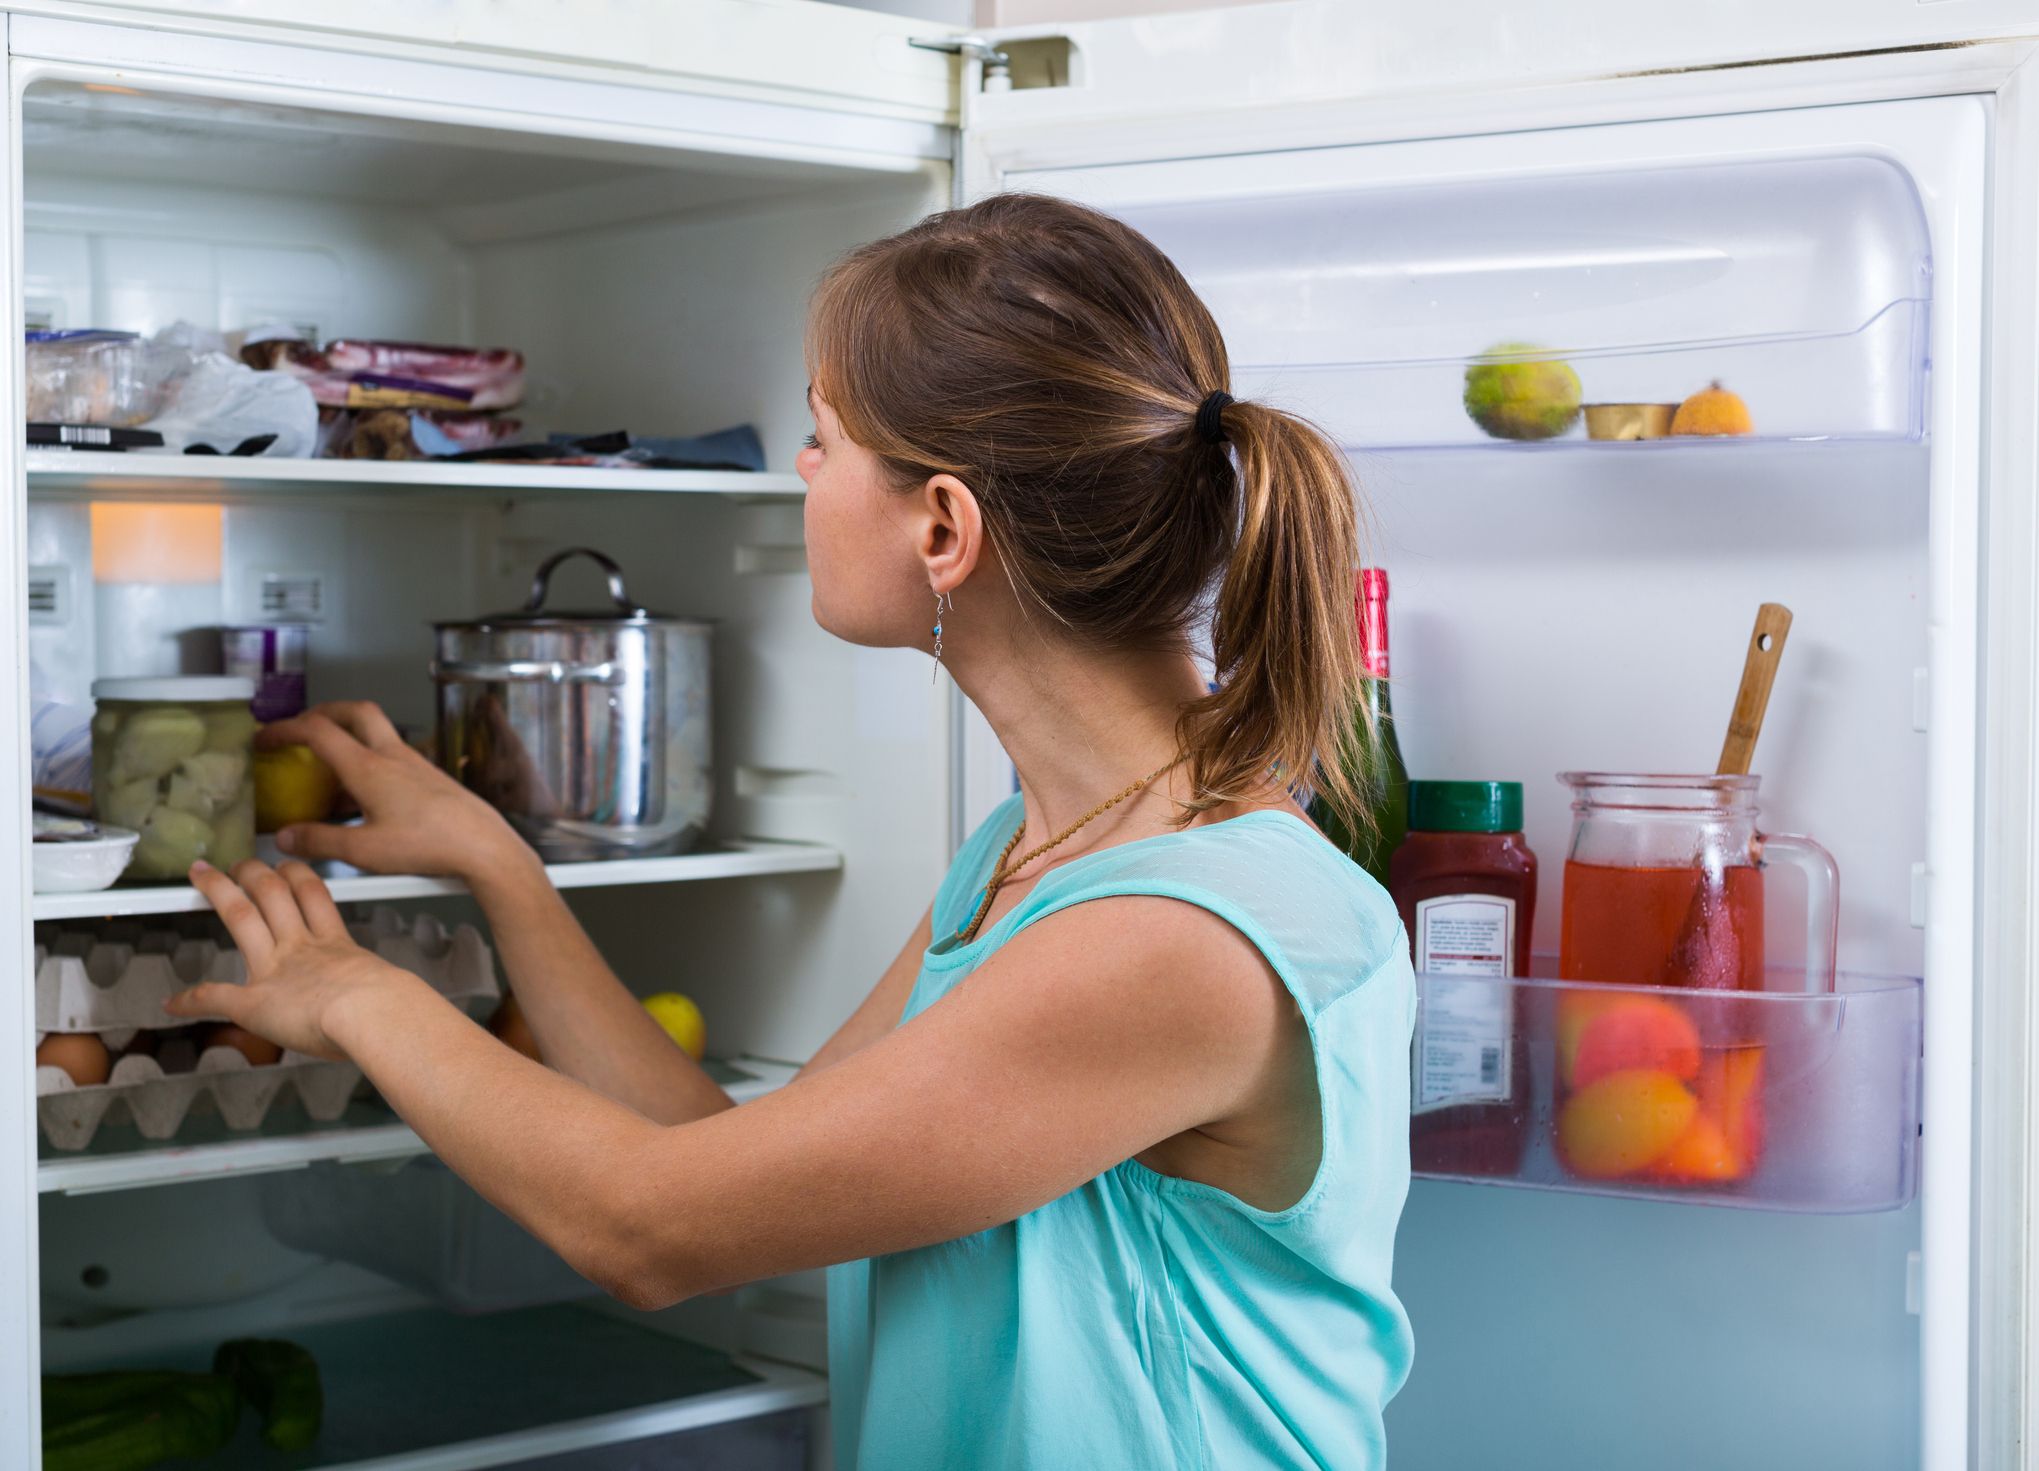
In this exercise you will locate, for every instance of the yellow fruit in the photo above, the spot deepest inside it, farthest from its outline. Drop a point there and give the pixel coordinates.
(1524, 396)
(292, 785)
(1622, 1122)
(682, 1020)
(1712, 410)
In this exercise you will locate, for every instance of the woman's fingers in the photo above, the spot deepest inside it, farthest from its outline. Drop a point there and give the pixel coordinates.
(274, 897)
(211, 999)
(314, 902)
(237, 912)
(317, 841)
(364, 720)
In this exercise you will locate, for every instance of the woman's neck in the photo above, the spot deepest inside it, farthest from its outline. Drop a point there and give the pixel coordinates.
(1080, 727)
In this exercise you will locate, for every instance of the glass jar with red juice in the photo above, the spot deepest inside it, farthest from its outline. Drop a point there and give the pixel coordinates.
(1465, 882)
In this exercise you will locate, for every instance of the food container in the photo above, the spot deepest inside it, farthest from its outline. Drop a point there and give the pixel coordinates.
(171, 761)
(113, 379)
(72, 856)
(588, 730)
(270, 656)
(1629, 421)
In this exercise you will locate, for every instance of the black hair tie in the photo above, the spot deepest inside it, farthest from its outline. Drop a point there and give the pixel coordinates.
(1210, 417)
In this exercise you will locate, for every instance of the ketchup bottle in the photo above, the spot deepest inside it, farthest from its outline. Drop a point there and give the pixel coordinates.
(1465, 882)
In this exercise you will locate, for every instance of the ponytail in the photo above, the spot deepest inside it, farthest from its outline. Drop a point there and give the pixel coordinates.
(1283, 635)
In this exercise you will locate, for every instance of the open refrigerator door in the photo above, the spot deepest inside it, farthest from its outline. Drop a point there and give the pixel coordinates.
(1569, 601)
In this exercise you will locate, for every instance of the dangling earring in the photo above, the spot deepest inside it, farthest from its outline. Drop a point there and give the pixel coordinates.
(940, 598)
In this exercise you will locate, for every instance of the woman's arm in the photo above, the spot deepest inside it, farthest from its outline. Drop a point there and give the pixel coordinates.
(420, 820)
(1089, 1037)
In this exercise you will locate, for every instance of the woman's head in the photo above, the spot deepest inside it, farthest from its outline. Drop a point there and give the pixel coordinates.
(1038, 368)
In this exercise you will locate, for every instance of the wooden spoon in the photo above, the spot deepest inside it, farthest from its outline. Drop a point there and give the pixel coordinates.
(1708, 953)
(1759, 672)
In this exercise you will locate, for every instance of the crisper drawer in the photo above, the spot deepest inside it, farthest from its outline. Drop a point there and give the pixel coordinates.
(423, 1226)
(1774, 1100)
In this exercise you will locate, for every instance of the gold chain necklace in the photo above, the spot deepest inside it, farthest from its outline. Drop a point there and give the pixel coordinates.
(1004, 869)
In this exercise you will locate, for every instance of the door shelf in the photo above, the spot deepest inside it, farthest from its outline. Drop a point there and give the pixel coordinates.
(1771, 1100)
(120, 1159)
(89, 473)
(426, 1390)
(1866, 383)
(739, 860)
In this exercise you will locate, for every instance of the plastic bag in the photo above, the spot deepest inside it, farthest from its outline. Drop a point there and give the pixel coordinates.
(227, 407)
(112, 379)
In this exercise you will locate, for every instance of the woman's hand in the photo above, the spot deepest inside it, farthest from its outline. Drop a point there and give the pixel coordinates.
(302, 963)
(419, 819)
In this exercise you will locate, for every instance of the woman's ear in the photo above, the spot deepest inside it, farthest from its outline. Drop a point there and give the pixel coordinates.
(951, 533)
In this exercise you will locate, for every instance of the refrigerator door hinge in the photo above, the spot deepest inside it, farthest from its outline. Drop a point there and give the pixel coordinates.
(997, 64)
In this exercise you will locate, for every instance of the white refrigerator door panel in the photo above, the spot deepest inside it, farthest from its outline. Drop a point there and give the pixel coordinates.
(1793, 1332)
(1235, 61)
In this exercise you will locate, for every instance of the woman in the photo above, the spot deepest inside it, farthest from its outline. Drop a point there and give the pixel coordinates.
(1108, 1165)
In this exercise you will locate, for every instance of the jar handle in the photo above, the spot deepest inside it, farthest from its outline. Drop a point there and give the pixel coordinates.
(541, 580)
(1822, 901)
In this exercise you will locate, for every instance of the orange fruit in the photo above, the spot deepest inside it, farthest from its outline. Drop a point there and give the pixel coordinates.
(1623, 1123)
(1712, 410)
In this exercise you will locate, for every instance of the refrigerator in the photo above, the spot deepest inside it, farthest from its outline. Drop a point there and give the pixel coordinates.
(1827, 210)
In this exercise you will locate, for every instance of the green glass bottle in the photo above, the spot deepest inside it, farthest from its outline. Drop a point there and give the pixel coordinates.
(1381, 776)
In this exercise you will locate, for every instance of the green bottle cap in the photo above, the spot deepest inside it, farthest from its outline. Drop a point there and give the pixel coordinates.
(1465, 806)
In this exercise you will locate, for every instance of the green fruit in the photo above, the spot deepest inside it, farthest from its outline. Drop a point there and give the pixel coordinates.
(1524, 397)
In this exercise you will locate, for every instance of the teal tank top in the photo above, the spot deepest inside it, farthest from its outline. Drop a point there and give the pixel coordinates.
(1144, 1321)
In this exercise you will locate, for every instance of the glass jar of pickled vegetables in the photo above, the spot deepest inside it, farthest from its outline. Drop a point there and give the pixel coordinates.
(171, 760)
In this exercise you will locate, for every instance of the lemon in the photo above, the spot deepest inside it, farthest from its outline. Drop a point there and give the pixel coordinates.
(292, 785)
(1522, 392)
(682, 1020)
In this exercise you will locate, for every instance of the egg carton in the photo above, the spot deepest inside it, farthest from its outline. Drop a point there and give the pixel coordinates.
(114, 983)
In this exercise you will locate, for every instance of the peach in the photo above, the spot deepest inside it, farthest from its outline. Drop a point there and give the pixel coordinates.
(1635, 1032)
(1623, 1122)
(1701, 1155)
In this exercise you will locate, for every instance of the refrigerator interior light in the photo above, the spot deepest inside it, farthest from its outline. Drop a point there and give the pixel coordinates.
(138, 542)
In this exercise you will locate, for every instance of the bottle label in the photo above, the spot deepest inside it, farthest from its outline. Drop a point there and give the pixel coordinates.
(1466, 1029)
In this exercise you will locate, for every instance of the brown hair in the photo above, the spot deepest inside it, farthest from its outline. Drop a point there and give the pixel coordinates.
(1052, 359)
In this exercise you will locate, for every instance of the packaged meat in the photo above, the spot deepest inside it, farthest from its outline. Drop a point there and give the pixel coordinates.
(353, 373)
(113, 379)
(418, 434)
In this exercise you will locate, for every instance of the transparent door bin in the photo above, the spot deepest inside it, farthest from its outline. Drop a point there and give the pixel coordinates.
(1864, 383)
(1800, 283)
(1771, 1100)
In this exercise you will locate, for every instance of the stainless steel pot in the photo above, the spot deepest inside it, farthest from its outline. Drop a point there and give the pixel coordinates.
(588, 730)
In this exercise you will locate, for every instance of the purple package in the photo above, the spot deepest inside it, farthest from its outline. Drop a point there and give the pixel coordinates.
(272, 655)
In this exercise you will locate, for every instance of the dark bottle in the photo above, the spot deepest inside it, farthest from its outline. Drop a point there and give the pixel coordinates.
(1465, 883)
(1380, 777)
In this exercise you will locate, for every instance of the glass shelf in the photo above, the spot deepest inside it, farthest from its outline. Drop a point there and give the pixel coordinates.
(432, 1391)
(746, 859)
(1773, 1100)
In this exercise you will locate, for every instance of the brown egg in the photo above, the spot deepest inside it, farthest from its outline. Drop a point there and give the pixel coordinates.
(80, 1054)
(142, 1044)
(512, 1030)
(259, 1051)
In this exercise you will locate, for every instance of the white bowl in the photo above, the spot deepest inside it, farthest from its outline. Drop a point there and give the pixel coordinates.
(81, 865)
